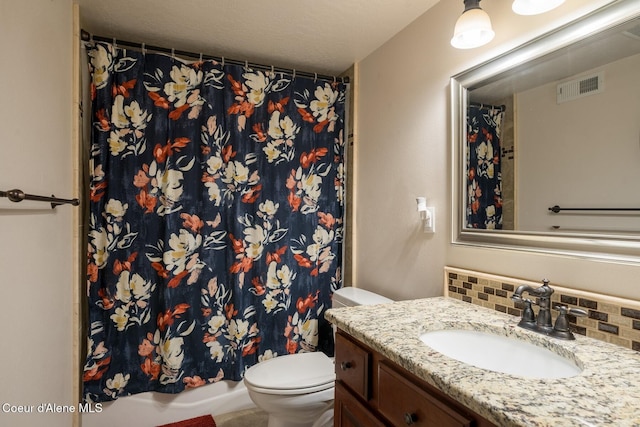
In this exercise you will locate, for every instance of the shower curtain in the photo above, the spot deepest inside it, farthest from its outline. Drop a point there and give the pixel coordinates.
(215, 223)
(484, 182)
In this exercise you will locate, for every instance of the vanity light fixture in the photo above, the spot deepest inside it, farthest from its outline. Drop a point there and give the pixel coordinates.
(534, 7)
(473, 27)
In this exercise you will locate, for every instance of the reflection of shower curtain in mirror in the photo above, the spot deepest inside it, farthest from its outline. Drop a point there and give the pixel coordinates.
(484, 183)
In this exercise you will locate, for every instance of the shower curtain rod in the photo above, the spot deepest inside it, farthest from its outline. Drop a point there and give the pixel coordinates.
(495, 107)
(86, 37)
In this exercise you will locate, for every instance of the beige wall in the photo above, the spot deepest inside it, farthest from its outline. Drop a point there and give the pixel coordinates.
(36, 245)
(402, 152)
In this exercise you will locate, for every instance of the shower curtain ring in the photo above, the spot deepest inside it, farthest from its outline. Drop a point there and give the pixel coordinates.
(222, 61)
(200, 56)
(315, 77)
(115, 45)
(294, 74)
(173, 53)
(144, 50)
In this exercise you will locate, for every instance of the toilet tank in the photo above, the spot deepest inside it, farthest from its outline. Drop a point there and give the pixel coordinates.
(350, 296)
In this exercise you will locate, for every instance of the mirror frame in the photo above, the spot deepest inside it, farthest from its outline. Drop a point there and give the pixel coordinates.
(606, 247)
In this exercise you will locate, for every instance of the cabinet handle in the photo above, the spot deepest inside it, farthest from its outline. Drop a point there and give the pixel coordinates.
(410, 418)
(346, 365)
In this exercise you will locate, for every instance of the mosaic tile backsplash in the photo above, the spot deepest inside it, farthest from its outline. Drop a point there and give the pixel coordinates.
(609, 319)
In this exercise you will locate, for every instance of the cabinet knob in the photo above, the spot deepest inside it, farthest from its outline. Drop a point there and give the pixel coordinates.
(410, 418)
(346, 365)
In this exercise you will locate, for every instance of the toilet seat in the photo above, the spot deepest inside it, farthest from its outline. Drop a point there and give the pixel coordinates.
(299, 373)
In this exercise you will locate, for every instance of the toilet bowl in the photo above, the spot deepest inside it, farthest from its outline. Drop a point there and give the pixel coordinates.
(297, 390)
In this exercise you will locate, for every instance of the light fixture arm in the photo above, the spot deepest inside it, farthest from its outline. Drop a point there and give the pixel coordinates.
(471, 4)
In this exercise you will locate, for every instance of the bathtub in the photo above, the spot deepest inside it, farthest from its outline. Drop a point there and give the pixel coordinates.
(154, 409)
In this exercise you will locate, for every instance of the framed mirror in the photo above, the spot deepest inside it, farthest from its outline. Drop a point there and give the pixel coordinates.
(546, 142)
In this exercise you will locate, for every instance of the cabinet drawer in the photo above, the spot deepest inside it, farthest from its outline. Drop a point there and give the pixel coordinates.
(404, 403)
(352, 366)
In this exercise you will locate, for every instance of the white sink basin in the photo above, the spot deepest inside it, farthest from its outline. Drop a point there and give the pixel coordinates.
(500, 354)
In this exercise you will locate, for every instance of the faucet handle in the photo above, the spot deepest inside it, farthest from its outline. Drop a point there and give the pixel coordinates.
(528, 320)
(564, 310)
(578, 312)
(520, 298)
(561, 327)
(528, 316)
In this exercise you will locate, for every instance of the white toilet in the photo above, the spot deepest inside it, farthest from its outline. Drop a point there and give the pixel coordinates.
(297, 390)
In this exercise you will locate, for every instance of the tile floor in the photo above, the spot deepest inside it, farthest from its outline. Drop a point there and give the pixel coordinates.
(245, 418)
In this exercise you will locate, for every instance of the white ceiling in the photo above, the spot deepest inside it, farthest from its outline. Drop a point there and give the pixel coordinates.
(323, 36)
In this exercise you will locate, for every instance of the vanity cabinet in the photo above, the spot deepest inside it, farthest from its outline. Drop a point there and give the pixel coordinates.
(372, 391)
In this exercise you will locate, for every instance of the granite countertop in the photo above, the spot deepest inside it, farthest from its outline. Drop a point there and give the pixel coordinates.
(605, 393)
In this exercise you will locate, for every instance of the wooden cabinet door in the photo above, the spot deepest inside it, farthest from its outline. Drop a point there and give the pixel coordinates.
(353, 366)
(349, 412)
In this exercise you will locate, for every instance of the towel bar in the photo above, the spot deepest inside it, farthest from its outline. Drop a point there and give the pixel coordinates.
(19, 195)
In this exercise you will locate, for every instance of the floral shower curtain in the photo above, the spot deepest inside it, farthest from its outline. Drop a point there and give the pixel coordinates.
(216, 219)
(484, 182)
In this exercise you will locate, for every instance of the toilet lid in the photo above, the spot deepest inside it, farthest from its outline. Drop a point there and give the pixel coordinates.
(293, 373)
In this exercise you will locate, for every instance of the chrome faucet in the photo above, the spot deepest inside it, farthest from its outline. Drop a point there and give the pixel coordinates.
(542, 322)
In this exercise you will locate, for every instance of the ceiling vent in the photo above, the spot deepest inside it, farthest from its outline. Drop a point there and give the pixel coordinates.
(584, 86)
